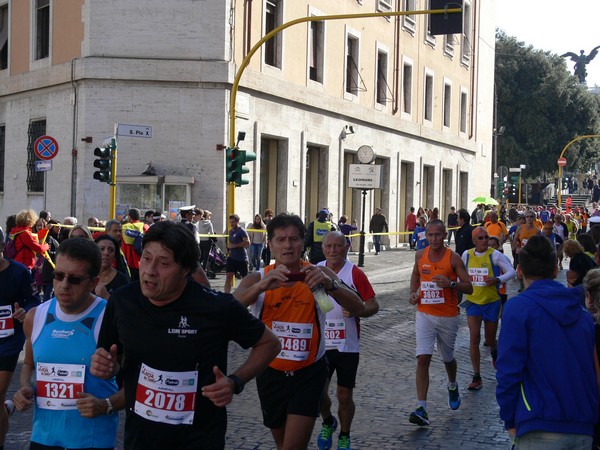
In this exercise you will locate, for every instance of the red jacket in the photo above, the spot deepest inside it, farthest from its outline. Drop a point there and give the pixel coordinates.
(27, 246)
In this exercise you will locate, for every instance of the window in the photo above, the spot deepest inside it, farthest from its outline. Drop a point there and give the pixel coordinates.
(35, 179)
(273, 18)
(466, 36)
(384, 5)
(447, 104)
(352, 75)
(2, 154)
(429, 38)
(4, 37)
(42, 29)
(463, 112)
(316, 45)
(409, 21)
(407, 88)
(428, 106)
(382, 88)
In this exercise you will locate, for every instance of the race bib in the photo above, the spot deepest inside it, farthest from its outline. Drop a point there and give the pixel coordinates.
(431, 293)
(7, 323)
(295, 340)
(57, 385)
(523, 242)
(478, 276)
(421, 235)
(167, 397)
(335, 334)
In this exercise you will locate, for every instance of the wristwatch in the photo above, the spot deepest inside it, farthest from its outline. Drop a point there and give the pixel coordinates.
(238, 384)
(453, 284)
(334, 286)
(109, 407)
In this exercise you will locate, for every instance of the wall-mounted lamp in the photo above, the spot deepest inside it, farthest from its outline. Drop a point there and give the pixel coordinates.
(87, 139)
(240, 137)
(348, 129)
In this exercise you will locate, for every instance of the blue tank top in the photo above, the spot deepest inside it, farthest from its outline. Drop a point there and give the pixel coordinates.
(72, 343)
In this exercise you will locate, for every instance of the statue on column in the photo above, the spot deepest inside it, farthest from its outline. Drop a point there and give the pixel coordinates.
(581, 61)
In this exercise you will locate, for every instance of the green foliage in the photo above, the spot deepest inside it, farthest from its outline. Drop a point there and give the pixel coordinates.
(542, 107)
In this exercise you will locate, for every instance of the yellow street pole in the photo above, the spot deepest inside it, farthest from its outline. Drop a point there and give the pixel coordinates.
(559, 195)
(246, 61)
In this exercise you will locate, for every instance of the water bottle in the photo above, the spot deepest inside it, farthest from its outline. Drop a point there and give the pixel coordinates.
(322, 299)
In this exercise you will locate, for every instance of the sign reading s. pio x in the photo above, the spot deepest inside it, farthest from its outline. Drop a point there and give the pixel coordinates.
(140, 131)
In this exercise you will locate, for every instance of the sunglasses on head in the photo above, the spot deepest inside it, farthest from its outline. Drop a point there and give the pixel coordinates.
(59, 276)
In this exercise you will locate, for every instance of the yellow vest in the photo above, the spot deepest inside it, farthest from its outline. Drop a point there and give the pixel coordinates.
(320, 230)
(478, 268)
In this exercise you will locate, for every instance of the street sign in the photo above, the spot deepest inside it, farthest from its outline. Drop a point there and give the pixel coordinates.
(43, 166)
(45, 148)
(515, 169)
(364, 176)
(140, 131)
(562, 162)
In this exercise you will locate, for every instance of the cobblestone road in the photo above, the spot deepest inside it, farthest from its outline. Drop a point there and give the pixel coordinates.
(385, 392)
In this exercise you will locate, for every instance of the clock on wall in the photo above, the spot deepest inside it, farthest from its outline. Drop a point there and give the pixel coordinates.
(365, 154)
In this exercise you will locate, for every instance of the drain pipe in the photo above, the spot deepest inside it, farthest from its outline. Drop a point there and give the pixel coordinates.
(74, 142)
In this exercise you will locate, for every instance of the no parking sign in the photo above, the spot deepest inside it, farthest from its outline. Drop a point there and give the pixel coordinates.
(45, 148)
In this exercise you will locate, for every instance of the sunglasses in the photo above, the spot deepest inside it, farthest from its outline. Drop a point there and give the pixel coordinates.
(482, 238)
(59, 276)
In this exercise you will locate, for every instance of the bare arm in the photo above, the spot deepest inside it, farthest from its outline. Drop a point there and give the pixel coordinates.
(464, 285)
(23, 398)
(346, 297)
(253, 285)
(90, 406)
(415, 280)
(262, 353)
(371, 308)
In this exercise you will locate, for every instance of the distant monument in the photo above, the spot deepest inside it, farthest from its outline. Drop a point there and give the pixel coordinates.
(581, 61)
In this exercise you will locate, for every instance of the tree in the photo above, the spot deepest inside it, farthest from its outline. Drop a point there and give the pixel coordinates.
(542, 108)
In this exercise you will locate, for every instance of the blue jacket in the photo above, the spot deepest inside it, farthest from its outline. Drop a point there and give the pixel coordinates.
(545, 365)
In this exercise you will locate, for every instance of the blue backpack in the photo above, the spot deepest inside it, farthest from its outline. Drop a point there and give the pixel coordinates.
(137, 237)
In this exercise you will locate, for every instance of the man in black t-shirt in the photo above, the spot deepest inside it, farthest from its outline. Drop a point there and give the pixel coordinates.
(172, 334)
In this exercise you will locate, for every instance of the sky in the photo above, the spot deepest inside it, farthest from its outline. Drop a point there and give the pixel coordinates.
(558, 26)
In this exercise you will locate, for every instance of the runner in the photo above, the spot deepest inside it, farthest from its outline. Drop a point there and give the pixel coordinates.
(16, 298)
(73, 409)
(290, 390)
(437, 274)
(167, 325)
(484, 266)
(342, 341)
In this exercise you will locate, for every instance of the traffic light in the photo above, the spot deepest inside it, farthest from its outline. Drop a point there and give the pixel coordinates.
(104, 163)
(236, 160)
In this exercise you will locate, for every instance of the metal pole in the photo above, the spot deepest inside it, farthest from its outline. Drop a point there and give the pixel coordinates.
(113, 177)
(361, 251)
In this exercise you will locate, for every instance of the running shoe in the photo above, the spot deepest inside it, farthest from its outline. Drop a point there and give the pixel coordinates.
(10, 407)
(476, 384)
(419, 417)
(325, 439)
(344, 443)
(453, 398)
(494, 353)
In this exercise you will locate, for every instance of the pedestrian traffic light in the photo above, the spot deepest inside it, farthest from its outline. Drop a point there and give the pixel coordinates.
(104, 163)
(236, 160)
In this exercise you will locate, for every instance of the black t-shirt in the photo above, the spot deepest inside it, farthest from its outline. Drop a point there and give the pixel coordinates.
(464, 239)
(119, 280)
(191, 333)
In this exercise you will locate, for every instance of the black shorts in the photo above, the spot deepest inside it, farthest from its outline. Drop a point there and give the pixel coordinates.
(145, 434)
(345, 365)
(299, 393)
(9, 363)
(234, 265)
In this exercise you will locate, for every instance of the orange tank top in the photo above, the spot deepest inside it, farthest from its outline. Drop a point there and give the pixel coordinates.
(292, 314)
(525, 234)
(434, 300)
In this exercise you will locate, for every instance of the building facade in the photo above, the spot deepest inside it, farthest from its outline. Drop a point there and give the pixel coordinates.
(307, 100)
